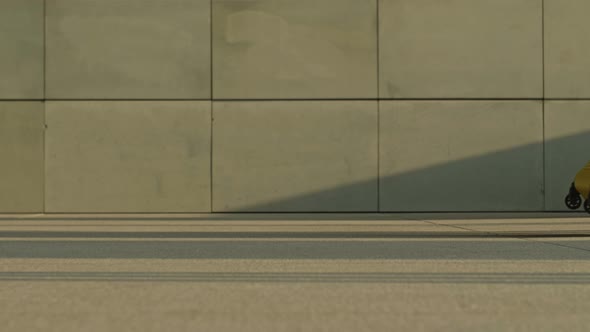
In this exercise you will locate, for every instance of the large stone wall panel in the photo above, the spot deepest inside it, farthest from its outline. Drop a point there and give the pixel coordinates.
(294, 49)
(21, 157)
(432, 49)
(567, 50)
(461, 156)
(21, 49)
(128, 157)
(132, 49)
(295, 156)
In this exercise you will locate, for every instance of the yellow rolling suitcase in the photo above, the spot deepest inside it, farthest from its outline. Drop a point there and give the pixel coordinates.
(580, 187)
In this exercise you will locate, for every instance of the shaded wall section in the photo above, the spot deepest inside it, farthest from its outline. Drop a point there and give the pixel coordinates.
(291, 106)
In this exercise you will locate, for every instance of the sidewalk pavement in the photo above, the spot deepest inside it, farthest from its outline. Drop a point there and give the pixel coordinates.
(294, 272)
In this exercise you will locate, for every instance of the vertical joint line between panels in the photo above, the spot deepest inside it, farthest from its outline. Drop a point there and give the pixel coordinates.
(44, 168)
(378, 156)
(378, 52)
(543, 45)
(211, 49)
(543, 105)
(44, 50)
(211, 161)
(378, 41)
(211, 96)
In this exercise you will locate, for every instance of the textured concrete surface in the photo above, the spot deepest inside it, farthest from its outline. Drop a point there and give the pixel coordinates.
(21, 156)
(249, 272)
(461, 156)
(131, 49)
(294, 49)
(128, 157)
(566, 133)
(461, 49)
(567, 52)
(295, 156)
(336, 50)
(21, 58)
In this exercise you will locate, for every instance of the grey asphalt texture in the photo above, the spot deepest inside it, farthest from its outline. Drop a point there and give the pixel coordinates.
(295, 272)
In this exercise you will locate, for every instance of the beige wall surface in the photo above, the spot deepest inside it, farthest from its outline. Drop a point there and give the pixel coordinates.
(21, 49)
(132, 49)
(291, 105)
(128, 157)
(567, 50)
(461, 49)
(295, 49)
(295, 156)
(21, 157)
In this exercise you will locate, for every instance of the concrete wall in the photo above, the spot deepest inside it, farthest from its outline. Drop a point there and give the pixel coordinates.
(292, 105)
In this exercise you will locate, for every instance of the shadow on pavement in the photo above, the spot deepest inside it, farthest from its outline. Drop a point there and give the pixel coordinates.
(294, 235)
(269, 277)
(286, 249)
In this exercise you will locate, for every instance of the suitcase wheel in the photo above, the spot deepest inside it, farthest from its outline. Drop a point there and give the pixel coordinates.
(573, 202)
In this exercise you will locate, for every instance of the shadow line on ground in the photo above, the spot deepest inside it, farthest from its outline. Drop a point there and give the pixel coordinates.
(296, 235)
(418, 249)
(296, 216)
(298, 277)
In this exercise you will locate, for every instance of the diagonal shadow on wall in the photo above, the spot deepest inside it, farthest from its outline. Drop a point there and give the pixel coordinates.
(513, 180)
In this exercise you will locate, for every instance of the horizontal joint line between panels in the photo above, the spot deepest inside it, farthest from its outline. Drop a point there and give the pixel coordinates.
(404, 99)
(131, 99)
(295, 100)
(287, 212)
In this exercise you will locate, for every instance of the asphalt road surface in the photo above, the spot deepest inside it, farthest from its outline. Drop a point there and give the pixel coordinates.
(295, 272)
